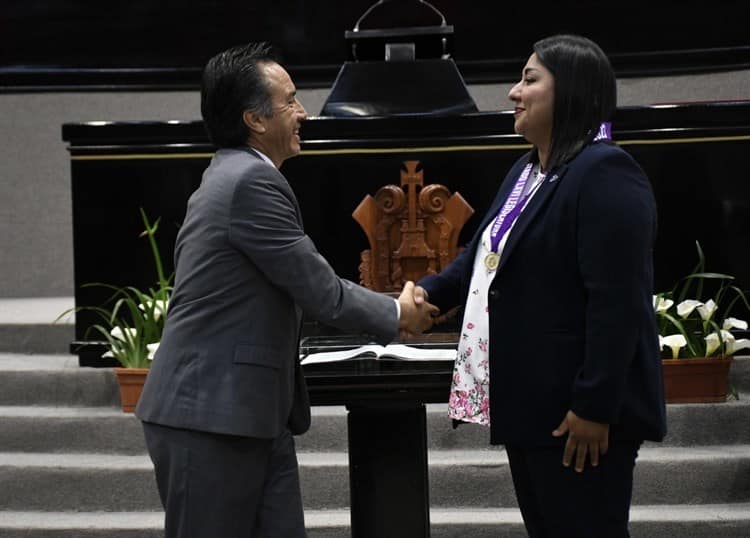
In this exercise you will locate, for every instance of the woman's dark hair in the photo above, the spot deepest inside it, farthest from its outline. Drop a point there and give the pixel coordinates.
(585, 92)
(231, 84)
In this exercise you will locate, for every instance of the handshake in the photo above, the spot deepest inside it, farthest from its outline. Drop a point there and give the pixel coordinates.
(417, 315)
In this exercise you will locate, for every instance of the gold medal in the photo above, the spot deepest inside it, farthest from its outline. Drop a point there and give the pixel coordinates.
(491, 261)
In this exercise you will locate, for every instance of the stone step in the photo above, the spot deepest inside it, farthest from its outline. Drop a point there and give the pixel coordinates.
(27, 325)
(54, 380)
(659, 521)
(739, 374)
(708, 424)
(669, 475)
(70, 429)
(109, 430)
(479, 478)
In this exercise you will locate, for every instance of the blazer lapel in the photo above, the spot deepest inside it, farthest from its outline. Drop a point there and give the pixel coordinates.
(255, 154)
(529, 213)
(500, 197)
(502, 194)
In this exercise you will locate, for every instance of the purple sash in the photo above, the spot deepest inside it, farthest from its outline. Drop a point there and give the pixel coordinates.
(514, 203)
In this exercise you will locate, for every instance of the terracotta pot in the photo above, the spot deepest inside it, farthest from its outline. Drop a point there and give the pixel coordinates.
(697, 380)
(131, 382)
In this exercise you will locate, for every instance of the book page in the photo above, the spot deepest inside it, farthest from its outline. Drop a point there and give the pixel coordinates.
(371, 351)
(401, 351)
(391, 351)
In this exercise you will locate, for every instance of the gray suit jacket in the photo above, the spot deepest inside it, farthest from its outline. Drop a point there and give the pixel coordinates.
(245, 274)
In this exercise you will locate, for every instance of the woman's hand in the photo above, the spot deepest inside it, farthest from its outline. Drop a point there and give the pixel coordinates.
(417, 315)
(585, 437)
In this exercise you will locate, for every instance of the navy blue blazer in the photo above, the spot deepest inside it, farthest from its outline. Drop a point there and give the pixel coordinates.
(572, 324)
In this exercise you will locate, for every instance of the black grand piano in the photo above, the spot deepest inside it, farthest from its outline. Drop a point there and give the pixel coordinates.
(419, 110)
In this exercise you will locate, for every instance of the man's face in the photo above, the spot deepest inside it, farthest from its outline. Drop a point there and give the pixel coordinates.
(280, 140)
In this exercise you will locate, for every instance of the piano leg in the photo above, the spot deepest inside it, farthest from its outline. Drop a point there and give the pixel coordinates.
(388, 471)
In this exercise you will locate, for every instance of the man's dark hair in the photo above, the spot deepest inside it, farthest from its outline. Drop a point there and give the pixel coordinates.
(231, 84)
(585, 92)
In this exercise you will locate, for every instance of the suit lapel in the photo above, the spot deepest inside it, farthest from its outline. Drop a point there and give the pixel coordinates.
(297, 208)
(529, 213)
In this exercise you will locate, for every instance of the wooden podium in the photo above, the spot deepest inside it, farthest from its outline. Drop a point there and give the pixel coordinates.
(413, 229)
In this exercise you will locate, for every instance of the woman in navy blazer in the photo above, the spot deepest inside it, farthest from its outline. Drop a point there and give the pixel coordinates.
(559, 351)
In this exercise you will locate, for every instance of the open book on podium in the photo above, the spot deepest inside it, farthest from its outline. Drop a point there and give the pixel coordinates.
(428, 347)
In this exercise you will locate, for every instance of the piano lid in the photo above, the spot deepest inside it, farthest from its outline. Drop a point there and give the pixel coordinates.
(400, 64)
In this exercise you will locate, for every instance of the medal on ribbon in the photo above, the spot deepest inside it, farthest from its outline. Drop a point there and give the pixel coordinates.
(505, 218)
(515, 203)
(491, 261)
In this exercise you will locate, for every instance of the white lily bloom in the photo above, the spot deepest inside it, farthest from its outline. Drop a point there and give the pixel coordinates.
(685, 308)
(152, 350)
(727, 336)
(731, 344)
(712, 343)
(736, 345)
(661, 304)
(707, 310)
(160, 307)
(674, 342)
(734, 323)
(124, 335)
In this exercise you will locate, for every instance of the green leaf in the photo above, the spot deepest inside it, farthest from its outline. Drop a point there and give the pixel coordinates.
(691, 345)
(124, 311)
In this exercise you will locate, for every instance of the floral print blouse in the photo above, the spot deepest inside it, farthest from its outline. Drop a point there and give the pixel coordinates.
(470, 388)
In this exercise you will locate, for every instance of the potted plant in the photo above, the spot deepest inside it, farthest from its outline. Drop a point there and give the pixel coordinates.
(696, 334)
(131, 324)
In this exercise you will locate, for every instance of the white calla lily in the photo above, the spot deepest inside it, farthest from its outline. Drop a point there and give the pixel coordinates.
(736, 345)
(733, 344)
(160, 307)
(712, 343)
(701, 323)
(727, 336)
(124, 334)
(685, 308)
(734, 323)
(152, 350)
(675, 342)
(707, 309)
(661, 304)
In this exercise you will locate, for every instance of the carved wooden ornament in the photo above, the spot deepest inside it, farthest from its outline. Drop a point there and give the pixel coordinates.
(412, 230)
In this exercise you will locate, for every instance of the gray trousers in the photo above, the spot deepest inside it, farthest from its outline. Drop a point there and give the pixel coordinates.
(215, 485)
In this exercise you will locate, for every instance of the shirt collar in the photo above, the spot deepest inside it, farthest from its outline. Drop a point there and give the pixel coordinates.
(263, 156)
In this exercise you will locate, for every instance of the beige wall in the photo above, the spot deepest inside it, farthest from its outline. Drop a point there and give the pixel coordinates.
(36, 258)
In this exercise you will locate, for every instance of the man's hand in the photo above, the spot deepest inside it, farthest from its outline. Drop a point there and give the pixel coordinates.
(416, 313)
(584, 438)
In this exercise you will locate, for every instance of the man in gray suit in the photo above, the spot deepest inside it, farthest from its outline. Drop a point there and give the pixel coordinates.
(225, 392)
